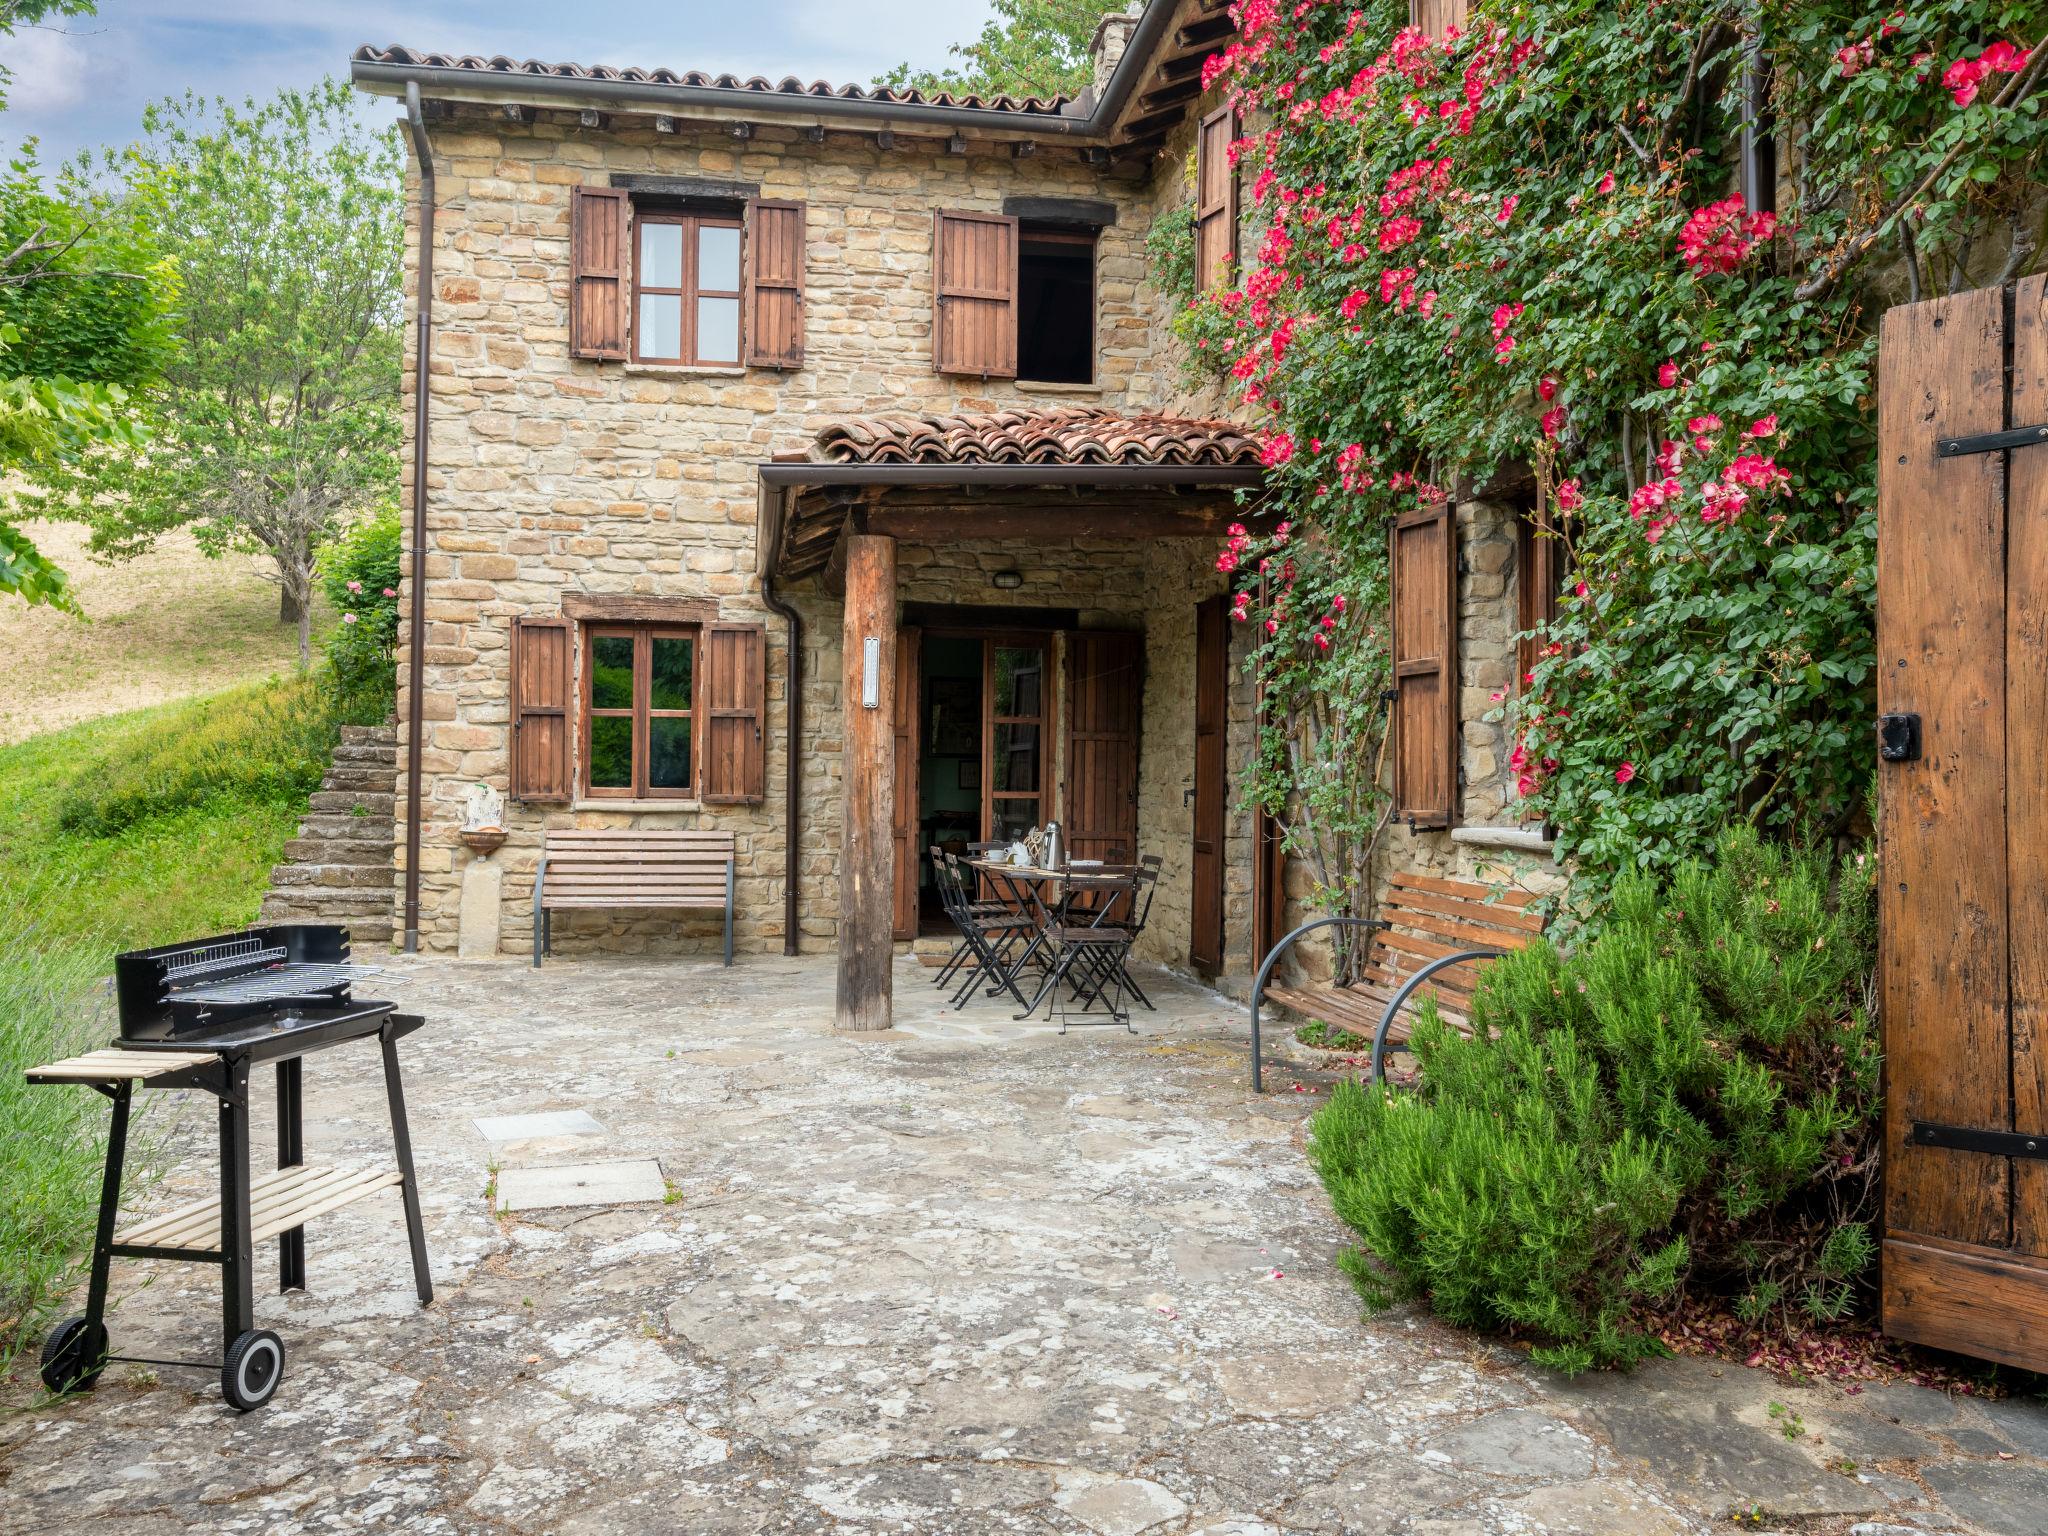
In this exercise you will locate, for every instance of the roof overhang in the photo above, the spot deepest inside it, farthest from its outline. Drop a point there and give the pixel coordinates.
(807, 507)
(1149, 89)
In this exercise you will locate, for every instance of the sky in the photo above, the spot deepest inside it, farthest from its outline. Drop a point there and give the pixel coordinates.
(82, 81)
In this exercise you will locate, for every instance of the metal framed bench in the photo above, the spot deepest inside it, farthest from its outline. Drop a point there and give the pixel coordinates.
(631, 868)
(1429, 930)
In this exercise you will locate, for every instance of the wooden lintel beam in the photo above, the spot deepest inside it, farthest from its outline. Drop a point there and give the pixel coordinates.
(1101, 519)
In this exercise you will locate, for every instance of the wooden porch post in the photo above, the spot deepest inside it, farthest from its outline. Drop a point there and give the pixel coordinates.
(866, 872)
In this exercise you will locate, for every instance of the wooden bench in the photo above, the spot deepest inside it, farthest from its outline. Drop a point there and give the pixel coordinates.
(1428, 918)
(631, 867)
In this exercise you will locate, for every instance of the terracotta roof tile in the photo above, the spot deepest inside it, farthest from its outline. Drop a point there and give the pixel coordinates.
(789, 85)
(1058, 435)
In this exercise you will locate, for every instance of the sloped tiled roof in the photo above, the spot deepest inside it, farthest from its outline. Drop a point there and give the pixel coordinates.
(500, 67)
(1057, 435)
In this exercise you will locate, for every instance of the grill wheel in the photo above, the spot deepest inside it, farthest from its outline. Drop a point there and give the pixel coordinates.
(74, 1355)
(253, 1368)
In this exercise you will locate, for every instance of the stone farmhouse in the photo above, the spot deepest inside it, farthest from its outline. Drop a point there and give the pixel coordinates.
(816, 464)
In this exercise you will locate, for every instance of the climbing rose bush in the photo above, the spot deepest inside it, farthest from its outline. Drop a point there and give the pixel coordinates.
(1526, 244)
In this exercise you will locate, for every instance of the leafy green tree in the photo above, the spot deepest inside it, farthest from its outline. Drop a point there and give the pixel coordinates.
(15, 14)
(85, 319)
(1030, 48)
(277, 422)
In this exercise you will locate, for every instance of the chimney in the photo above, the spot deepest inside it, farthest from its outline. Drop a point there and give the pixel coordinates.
(1106, 48)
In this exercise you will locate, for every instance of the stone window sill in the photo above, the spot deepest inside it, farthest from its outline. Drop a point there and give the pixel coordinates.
(1522, 839)
(1036, 387)
(636, 807)
(683, 371)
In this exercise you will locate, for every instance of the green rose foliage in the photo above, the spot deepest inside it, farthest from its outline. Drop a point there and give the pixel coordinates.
(1688, 1101)
(1486, 251)
(359, 573)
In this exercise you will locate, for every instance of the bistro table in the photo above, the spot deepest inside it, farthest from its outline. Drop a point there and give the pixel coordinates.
(1050, 897)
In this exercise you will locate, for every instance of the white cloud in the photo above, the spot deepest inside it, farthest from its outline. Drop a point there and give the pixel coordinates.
(48, 70)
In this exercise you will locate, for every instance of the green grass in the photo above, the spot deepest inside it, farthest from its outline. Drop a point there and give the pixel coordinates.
(126, 831)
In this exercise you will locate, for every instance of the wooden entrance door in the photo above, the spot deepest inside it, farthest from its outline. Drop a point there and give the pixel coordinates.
(1962, 646)
(1212, 713)
(909, 858)
(1105, 700)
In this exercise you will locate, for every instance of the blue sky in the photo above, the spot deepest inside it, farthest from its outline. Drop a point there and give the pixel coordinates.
(83, 81)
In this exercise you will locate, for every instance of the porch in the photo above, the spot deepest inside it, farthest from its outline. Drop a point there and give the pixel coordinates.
(1023, 616)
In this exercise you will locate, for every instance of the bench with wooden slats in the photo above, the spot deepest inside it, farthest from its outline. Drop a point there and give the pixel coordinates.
(632, 867)
(1428, 918)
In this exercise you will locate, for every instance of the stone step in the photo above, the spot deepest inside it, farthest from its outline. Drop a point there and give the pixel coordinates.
(333, 907)
(350, 828)
(372, 783)
(367, 853)
(381, 763)
(384, 735)
(288, 877)
(346, 802)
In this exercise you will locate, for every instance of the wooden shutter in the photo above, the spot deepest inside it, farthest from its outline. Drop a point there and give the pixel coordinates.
(1212, 715)
(1424, 579)
(597, 272)
(1215, 200)
(974, 275)
(775, 284)
(734, 668)
(907, 824)
(1105, 688)
(1436, 17)
(541, 727)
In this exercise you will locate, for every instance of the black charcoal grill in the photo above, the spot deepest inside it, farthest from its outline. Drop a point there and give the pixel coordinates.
(201, 1015)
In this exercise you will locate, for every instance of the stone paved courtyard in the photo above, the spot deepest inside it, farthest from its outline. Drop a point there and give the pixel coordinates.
(961, 1278)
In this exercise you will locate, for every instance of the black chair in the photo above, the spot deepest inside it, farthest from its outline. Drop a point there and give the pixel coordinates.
(1090, 958)
(1136, 912)
(986, 937)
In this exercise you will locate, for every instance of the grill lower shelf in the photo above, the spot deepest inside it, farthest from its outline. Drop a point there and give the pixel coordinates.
(278, 1201)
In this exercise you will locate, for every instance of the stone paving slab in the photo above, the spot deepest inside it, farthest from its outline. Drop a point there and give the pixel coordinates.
(534, 1127)
(927, 1282)
(577, 1184)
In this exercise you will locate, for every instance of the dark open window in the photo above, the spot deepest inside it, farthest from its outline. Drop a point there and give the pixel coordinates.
(686, 288)
(1056, 304)
(639, 695)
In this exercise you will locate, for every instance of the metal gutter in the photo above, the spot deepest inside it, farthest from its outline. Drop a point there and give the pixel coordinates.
(1012, 474)
(768, 506)
(1095, 123)
(416, 659)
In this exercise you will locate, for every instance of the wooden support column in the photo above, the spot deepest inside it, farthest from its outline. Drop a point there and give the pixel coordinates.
(866, 867)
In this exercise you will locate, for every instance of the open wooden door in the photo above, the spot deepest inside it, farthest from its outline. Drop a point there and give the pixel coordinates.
(1962, 643)
(1105, 689)
(909, 857)
(1212, 715)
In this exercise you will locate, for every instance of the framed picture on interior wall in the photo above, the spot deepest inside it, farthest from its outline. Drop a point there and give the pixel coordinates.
(956, 716)
(970, 773)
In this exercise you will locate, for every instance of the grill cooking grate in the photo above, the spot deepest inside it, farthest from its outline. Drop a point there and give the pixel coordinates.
(221, 955)
(278, 983)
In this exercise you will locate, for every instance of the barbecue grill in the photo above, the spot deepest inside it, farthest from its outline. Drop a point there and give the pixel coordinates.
(201, 1015)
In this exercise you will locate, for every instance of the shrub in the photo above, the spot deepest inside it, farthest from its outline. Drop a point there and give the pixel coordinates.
(263, 744)
(359, 572)
(1690, 1100)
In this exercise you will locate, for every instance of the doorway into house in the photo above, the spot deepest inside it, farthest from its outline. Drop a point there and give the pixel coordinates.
(980, 735)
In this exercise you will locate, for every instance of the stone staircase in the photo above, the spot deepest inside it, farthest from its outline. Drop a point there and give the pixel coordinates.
(339, 868)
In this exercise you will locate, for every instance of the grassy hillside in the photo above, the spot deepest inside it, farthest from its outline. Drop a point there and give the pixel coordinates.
(130, 830)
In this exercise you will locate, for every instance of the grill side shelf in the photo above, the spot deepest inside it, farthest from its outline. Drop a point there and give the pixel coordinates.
(278, 1201)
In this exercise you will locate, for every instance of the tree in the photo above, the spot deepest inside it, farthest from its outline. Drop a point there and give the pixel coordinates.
(15, 14)
(1031, 48)
(85, 320)
(277, 419)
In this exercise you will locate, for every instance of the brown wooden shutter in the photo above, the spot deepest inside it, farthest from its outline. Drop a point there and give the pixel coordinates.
(541, 727)
(597, 272)
(1105, 688)
(974, 274)
(735, 707)
(775, 284)
(1212, 783)
(1436, 17)
(1424, 581)
(1215, 200)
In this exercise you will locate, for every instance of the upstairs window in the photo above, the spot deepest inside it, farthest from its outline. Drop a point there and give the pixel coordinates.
(1056, 305)
(686, 290)
(1215, 200)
